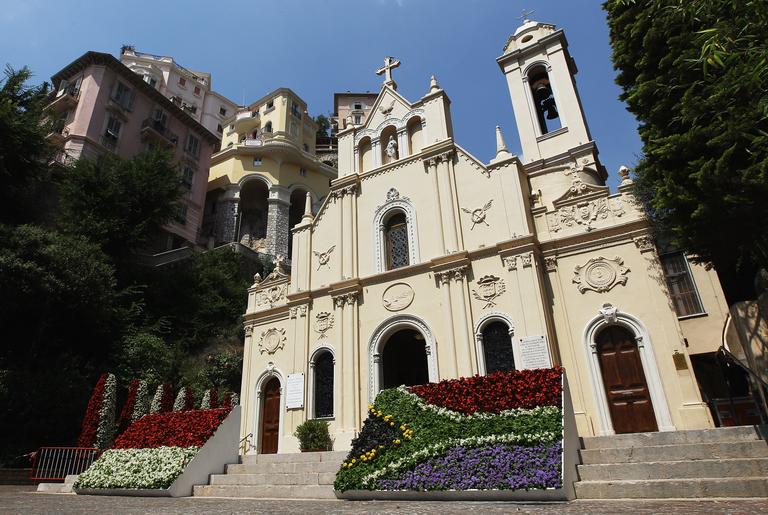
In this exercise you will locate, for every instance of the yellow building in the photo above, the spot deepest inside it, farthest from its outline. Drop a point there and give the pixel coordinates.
(260, 178)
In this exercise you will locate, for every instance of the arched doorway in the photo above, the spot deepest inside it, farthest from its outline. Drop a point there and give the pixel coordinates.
(404, 360)
(253, 214)
(270, 416)
(626, 388)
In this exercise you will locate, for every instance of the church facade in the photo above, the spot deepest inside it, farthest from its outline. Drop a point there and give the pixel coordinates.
(426, 264)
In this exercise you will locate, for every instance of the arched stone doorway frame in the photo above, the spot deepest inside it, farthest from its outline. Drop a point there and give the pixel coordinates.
(610, 315)
(482, 322)
(379, 339)
(270, 372)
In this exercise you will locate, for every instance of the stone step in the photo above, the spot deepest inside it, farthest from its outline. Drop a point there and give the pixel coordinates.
(266, 491)
(307, 478)
(720, 434)
(684, 452)
(284, 468)
(296, 457)
(673, 488)
(741, 467)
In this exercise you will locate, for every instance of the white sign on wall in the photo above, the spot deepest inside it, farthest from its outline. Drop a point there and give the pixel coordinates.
(534, 352)
(294, 392)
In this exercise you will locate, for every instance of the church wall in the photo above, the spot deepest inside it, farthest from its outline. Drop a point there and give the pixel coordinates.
(642, 297)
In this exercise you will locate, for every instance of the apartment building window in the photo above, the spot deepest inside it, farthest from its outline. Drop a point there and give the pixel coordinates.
(182, 82)
(358, 106)
(270, 105)
(193, 145)
(150, 80)
(219, 129)
(358, 119)
(302, 172)
(223, 111)
(197, 90)
(257, 162)
(123, 95)
(295, 109)
(268, 127)
(187, 176)
(181, 215)
(111, 133)
(160, 117)
(682, 289)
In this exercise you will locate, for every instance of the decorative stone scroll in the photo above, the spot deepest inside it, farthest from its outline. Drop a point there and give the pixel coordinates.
(584, 213)
(488, 288)
(600, 274)
(270, 296)
(272, 340)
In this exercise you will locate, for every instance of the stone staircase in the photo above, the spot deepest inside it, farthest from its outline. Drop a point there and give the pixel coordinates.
(306, 475)
(722, 462)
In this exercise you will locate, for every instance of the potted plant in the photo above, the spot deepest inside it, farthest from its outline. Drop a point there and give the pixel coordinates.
(313, 436)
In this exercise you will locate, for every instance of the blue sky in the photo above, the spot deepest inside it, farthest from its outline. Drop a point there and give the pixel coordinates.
(320, 47)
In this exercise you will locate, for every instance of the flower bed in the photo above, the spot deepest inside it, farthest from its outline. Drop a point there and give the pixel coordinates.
(154, 451)
(498, 432)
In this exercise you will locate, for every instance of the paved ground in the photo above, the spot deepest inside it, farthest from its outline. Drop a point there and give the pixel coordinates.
(23, 500)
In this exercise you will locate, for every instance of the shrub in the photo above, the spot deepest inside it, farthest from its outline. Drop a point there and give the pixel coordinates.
(313, 435)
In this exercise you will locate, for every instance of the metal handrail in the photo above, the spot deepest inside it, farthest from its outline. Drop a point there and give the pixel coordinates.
(56, 463)
(245, 444)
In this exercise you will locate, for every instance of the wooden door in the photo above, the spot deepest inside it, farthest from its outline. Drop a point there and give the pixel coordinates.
(270, 417)
(625, 386)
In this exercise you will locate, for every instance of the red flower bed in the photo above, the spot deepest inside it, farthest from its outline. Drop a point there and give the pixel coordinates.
(496, 392)
(92, 413)
(125, 415)
(166, 401)
(173, 429)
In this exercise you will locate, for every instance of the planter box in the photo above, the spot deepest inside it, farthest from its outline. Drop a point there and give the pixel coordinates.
(212, 458)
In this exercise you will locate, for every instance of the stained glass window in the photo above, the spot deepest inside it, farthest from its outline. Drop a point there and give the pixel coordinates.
(396, 234)
(497, 347)
(324, 385)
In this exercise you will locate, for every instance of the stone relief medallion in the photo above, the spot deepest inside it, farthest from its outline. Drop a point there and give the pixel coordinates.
(397, 297)
(585, 213)
(323, 322)
(272, 340)
(488, 288)
(600, 274)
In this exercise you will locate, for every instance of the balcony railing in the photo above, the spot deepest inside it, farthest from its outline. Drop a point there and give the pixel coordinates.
(109, 142)
(150, 126)
(65, 98)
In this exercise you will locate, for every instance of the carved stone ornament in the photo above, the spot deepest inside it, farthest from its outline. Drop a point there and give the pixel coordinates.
(478, 215)
(270, 295)
(644, 243)
(345, 298)
(550, 263)
(510, 262)
(608, 311)
(600, 274)
(584, 213)
(397, 297)
(323, 323)
(248, 330)
(272, 340)
(392, 195)
(488, 288)
(323, 257)
(527, 259)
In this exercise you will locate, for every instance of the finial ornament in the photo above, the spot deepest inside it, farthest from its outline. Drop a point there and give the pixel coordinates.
(624, 174)
(307, 208)
(390, 63)
(525, 15)
(433, 85)
(501, 147)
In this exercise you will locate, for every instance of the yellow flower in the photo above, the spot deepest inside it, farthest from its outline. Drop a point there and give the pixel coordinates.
(353, 460)
(392, 424)
(402, 428)
(397, 442)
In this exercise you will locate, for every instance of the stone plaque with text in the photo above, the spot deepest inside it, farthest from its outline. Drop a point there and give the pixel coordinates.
(294, 392)
(534, 353)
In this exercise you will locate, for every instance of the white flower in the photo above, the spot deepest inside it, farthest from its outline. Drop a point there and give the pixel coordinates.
(141, 406)
(137, 468)
(107, 427)
(157, 400)
(178, 404)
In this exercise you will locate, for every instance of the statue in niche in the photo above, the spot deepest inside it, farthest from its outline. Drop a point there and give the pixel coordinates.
(391, 149)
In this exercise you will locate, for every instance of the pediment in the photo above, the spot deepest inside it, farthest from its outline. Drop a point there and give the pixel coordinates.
(389, 105)
(579, 191)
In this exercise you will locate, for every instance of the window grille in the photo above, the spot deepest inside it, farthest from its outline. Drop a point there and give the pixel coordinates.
(497, 348)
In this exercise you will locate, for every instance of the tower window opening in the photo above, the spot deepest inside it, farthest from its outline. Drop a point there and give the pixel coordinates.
(544, 100)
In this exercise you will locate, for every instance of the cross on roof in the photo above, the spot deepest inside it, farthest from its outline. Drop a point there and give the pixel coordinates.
(390, 63)
(524, 16)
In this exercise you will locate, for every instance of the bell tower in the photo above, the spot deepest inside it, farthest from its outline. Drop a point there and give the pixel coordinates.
(550, 120)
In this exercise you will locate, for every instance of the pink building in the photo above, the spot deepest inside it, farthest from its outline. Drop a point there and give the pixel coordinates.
(101, 106)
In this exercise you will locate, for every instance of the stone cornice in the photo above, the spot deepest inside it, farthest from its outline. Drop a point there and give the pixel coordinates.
(577, 243)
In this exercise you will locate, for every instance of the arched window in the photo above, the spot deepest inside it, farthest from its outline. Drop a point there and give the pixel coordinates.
(497, 347)
(396, 239)
(544, 99)
(323, 385)
(268, 127)
(365, 155)
(414, 135)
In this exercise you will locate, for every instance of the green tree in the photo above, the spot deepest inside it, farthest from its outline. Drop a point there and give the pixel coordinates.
(695, 75)
(24, 152)
(323, 125)
(120, 203)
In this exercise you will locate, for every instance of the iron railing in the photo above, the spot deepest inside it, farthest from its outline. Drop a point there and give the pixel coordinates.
(56, 463)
